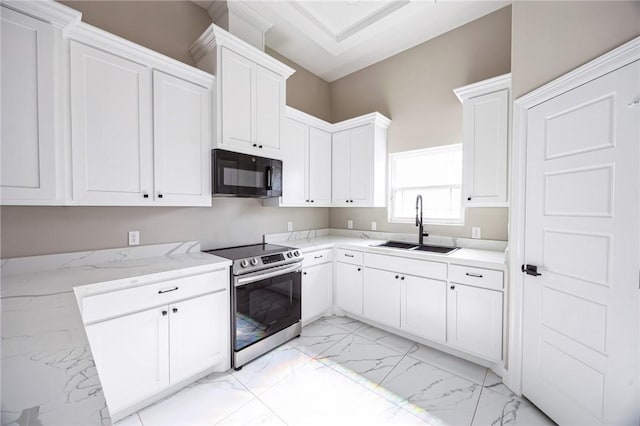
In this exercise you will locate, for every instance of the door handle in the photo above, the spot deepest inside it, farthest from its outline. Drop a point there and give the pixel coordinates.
(269, 172)
(167, 291)
(530, 270)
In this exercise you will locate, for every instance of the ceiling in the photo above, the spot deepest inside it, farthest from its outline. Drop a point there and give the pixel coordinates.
(335, 38)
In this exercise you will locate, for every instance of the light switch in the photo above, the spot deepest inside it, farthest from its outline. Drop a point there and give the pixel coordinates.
(134, 238)
(289, 226)
(374, 226)
(349, 224)
(475, 232)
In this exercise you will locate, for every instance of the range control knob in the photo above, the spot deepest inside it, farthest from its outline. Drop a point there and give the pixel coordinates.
(244, 263)
(296, 253)
(290, 254)
(254, 261)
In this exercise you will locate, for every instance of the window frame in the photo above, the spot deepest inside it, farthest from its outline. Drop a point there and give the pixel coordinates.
(391, 189)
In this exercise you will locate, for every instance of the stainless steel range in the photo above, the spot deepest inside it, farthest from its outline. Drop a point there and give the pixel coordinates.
(266, 282)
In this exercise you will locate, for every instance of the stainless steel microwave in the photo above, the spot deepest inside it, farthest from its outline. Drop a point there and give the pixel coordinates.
(241, 175)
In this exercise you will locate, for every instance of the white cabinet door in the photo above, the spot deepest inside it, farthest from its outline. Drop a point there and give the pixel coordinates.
(319, 167)
(28, 162)
(341, 172)
(316, 291)
(182, 140)
(132, 356)
(424, 308)
(238, 110)
(270, 103)
(199, 334)
(360, 164)
(486, 125)
(381, 296)
(474, 320)
(294, 163)
(111, 128)
(349, 287)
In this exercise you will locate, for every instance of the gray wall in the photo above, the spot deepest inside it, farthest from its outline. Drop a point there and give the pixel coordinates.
(415, 89)
(552, 38)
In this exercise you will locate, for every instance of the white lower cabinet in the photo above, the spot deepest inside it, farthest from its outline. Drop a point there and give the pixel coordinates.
(316, 291)
(381, 296)
(349, 280)
(423, 307)
(474, 320)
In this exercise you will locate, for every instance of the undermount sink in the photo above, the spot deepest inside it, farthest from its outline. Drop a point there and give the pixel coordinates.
(416, 247)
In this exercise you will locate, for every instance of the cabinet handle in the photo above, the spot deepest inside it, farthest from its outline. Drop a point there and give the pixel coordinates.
(255, 145)
(306, 201)
(304, 273)
(312, 201)
(145, 195)
(159, 195)
(164, 313)
(175, 310)
(397, 276)
(468, 198)
(453, 287)
(167, 291)
(351, 201)
(348, 255)
(401, 278)
(470, 274)
(318, 257)
(260, 146)
(359, 269)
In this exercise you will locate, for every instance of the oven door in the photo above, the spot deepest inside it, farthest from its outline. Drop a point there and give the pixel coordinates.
(265, 303)
(242, 175)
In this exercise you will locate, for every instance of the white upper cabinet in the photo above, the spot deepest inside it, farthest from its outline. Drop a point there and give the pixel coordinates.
(251, 87)
(140, 124)
(306, 157)
(359, 153)
(29, 141)
(486, 120)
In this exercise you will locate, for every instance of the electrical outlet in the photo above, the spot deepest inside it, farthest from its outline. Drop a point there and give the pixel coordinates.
(374, 226)
(349, 224)
(134, 238)
(289, 226)
(475, 232)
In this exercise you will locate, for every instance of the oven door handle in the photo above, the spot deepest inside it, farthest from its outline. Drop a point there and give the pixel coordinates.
(281, 270)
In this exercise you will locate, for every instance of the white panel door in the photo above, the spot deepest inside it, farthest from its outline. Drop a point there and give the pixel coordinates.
(424, 308)
(238, 110)
(319, 167)
(581, 316)
(485, 151)
(349, 287)
(269, 109)
(381, 296)
(360, 163)
(111, 128)
(182, 141)
(28, 162)
(316, 291)
(199, 334)
(340, 173)
(132, 356)
(294, 163)
(474, 320)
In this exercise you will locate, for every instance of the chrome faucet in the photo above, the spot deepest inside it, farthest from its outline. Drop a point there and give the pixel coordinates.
(421, 233)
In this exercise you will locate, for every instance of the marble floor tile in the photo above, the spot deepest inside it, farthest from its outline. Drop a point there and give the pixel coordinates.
(267, 370)
(384, 338)
(205, 402)
(443, 395)
(254, 413)
(499, 406)
(360, 358)
(346, 323)
(318, 337)
(132, 420)
(458, 366)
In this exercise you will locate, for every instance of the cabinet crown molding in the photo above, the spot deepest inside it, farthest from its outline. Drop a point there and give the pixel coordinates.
(214, 37)
(296, 114)
(88, 34)
(48, 11)
(494, 84)
(374, 118)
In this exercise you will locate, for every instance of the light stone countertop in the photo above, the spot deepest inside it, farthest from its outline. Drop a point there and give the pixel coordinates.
(48, 373)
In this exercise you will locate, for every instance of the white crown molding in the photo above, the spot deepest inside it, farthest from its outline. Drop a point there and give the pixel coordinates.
(249, 15)
(214, 37)
(296, 114)
(48, 11)
(374, 118)
(90, 35)
(494, 84)
(606, 63)
(217, 9)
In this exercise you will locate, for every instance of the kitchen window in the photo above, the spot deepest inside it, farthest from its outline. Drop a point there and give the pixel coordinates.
(436, 174)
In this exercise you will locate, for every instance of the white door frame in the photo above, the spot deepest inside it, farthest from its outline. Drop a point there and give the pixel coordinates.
(617, 58)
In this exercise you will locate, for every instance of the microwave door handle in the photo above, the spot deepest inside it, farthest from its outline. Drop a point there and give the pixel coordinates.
(269, 173)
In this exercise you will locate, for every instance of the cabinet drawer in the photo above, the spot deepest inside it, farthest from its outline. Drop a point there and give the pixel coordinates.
(420, 268)
(317, 257)
(116, 303)
(349, 256)
(478, 277)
